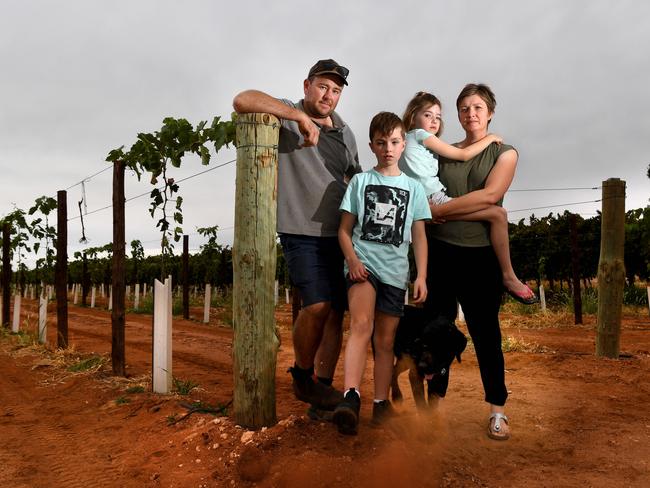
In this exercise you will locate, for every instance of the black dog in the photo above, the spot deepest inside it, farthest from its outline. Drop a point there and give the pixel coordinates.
(426, 346)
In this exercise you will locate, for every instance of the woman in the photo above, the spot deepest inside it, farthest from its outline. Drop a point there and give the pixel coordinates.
(462, 265)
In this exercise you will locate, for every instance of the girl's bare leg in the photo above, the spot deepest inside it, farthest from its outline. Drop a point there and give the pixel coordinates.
(498, 219)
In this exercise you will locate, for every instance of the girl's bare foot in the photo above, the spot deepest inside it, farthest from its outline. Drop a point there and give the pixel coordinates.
(519, 291)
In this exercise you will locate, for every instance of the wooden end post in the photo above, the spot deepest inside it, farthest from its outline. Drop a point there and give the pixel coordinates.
(186, 277)
(118, 359)
(6, 273)
(61, 270)
(611, 269)
(575, 269)
(254, 260)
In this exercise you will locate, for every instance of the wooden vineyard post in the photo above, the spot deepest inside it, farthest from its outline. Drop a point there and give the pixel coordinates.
(254, 260)
(186, 277)
(575, 269)
(6, 273)
(611, 269)
(119, 272)
(61, 270)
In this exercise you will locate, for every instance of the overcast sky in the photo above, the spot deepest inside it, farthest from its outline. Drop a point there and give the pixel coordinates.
(79, 78)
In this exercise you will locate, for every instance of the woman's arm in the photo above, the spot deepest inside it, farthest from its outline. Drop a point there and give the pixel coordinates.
(356, 268)
(457, 153)
(420, 253)
(497, 184)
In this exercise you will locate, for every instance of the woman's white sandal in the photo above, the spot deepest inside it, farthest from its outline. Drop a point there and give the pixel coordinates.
(494, 430)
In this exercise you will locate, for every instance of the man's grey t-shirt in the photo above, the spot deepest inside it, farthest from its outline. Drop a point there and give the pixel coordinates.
(313, 180)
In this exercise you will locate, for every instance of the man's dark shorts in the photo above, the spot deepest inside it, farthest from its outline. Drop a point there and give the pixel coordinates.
(389, 299)
(316, 269)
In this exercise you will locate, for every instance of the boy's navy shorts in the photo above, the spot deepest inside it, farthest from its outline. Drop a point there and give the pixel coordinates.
(316, 269)
(389, 299)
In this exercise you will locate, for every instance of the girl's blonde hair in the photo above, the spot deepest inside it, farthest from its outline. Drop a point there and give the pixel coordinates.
(420, 101)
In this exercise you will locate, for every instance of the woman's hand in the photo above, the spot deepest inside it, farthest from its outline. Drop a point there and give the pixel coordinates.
(436, 211)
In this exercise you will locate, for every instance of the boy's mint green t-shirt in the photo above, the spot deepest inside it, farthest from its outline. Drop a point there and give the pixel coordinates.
(385, 207)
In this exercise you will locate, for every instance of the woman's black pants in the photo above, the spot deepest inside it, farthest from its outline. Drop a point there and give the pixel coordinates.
(472, 277)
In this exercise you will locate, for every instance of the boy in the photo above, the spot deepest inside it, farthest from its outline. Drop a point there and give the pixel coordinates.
(381, 211)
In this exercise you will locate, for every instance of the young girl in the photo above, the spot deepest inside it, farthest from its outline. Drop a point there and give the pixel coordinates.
(422, 119)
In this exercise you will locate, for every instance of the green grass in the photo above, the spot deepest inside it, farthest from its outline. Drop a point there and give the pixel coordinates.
(220, 409)
(135, 389)
(122, 400)
(87, 364)
(26, 338)
(183, 387)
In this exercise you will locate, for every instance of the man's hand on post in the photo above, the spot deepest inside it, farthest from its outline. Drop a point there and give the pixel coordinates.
(309, 131)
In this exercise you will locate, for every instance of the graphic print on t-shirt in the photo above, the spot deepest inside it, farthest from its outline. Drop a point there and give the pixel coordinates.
(384, 214)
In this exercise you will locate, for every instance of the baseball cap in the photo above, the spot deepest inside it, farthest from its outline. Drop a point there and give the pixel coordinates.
(329, 66)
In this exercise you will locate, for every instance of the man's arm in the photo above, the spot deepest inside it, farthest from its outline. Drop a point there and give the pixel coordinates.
(254, 101)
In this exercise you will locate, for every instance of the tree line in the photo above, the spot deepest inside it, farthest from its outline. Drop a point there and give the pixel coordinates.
(540, 248)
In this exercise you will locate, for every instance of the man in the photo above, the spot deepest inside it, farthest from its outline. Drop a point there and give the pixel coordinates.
(317, 157)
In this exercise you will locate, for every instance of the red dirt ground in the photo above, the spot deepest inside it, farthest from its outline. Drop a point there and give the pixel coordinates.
(576, 420)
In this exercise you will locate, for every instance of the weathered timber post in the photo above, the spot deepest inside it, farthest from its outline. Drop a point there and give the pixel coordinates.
(6, 273)
(254, 260)
(611, 269)
(575, 269)
(119, 272)
(186, 277)
(61, 270)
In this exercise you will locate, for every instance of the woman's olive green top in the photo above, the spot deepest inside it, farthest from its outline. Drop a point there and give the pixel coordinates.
(461, 178)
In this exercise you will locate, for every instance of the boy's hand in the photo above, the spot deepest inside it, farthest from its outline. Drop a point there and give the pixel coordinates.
(419, 290)
(357, 270)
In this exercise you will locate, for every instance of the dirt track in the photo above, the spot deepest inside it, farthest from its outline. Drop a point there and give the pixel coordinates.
(577, 421)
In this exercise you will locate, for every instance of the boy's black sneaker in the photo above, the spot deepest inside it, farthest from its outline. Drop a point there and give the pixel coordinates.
(346, 414)
(382, 411)
(314, 392)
